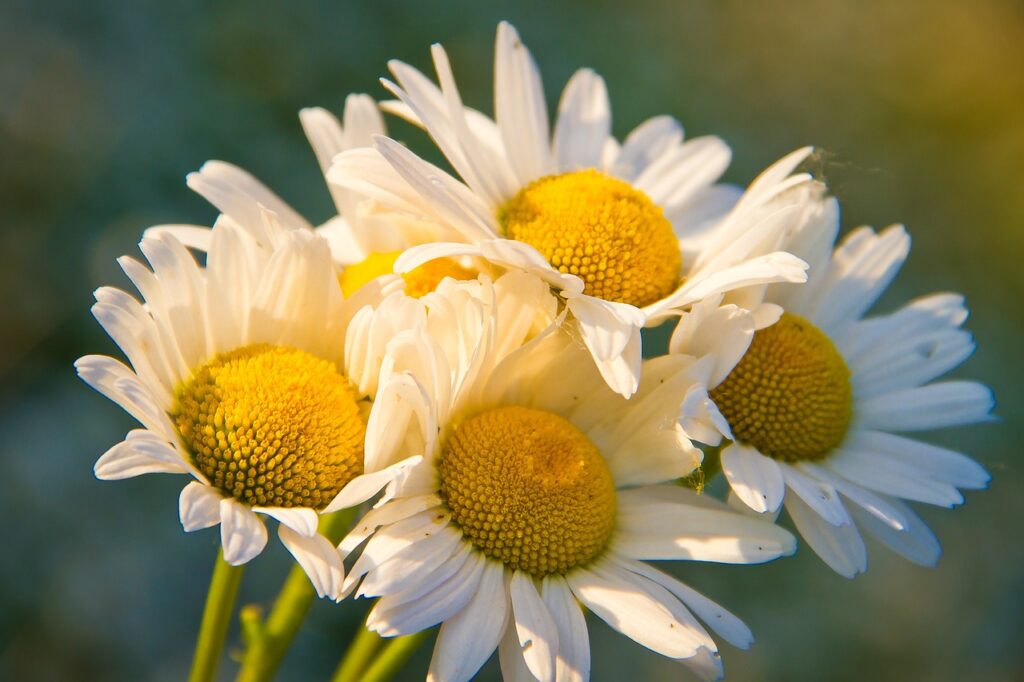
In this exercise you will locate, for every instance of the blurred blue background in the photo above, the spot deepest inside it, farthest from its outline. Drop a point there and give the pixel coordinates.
(104, 107)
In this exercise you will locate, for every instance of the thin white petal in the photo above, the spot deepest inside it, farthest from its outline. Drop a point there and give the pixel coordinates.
(756, 479)
(302, 520)
(318, 558)
(198, 506)
(242, 535)
(584, 122)
(537, 633)
(841, 547)
(467, 640)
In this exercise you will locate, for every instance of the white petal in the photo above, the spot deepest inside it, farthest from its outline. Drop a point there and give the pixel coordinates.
(705, 664)
(573, 661)
(584, 122)
(939, 405)
(865, 459)
(198, 507)
(510, 658)
(238, 194)
(141, 453)
(192, 236)
(620, 602)
(419, 558)
(302, 520)
(242, 535)
(644, 144)
(467, 640)
(318, 558)
(519, 107)
(841, 547)
(537, 633)
(664, 522)
(820, 497)
(386, 514)
(916, 542)
(731, 628)
(876, 505)
(756, 479)
(362, 488)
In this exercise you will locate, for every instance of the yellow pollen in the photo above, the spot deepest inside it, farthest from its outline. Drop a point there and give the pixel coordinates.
(418, 282)
(790, 396)
(601, 229)
(528, 489)
(272, 426)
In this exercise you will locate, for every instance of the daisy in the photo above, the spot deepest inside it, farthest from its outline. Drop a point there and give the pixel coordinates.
(626, 234)
(250, 376)
(538, 487)
(813, 410)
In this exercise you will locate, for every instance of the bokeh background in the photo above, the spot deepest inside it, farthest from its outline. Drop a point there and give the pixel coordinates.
(917, 106)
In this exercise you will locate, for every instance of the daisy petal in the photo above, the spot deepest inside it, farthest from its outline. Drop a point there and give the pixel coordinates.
(584, 122)
(519, 107)
(141, 453)
(242, 535)
(198, 507)
(468, 639)
(318, 558)
(841, 547)
(915, 543)
(537, 633)
(756, 479)
(299, 519)
(573, 661)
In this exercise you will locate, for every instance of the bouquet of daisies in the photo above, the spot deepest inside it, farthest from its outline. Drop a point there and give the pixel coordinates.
(440, 400)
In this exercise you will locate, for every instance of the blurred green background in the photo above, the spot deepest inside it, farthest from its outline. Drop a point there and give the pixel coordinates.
(104, 107)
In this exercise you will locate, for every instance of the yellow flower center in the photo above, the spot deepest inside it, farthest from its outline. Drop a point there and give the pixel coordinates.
(418, 282)
(272, 426)
(529, 489)
(790, 396)
(606, 232)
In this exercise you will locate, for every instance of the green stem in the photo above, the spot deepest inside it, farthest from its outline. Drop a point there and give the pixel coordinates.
(220, 601)
(359, 654)
(392, 657)
(268, 644)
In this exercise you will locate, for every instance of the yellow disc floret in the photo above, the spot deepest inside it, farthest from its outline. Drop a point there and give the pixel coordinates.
(790, 396)
(418, 281)
(272, 426)
(601, 229)
(529, 489)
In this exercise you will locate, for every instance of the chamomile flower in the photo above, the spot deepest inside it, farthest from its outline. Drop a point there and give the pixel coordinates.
(252, 376)
(611, 227)
(815, 408)
(538, 487)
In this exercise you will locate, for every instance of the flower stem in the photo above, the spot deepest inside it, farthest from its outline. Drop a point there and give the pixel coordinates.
(269, 643)
(392, 657)
(359, 654)
(220, 601)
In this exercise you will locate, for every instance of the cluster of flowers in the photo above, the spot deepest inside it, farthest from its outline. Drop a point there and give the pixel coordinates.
(466, 352)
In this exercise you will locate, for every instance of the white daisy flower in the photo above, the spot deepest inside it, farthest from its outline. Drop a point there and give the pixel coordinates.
(251, 376)
(611, 227)
(814, 408)
(539, 487)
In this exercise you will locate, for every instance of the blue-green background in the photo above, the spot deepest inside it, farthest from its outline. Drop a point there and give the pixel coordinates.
(104, 106)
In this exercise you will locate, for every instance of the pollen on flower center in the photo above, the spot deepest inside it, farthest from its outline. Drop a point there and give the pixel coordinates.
(601, 229)
(418, 282)
(529, 489)
(790, 396)
(272, 426)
